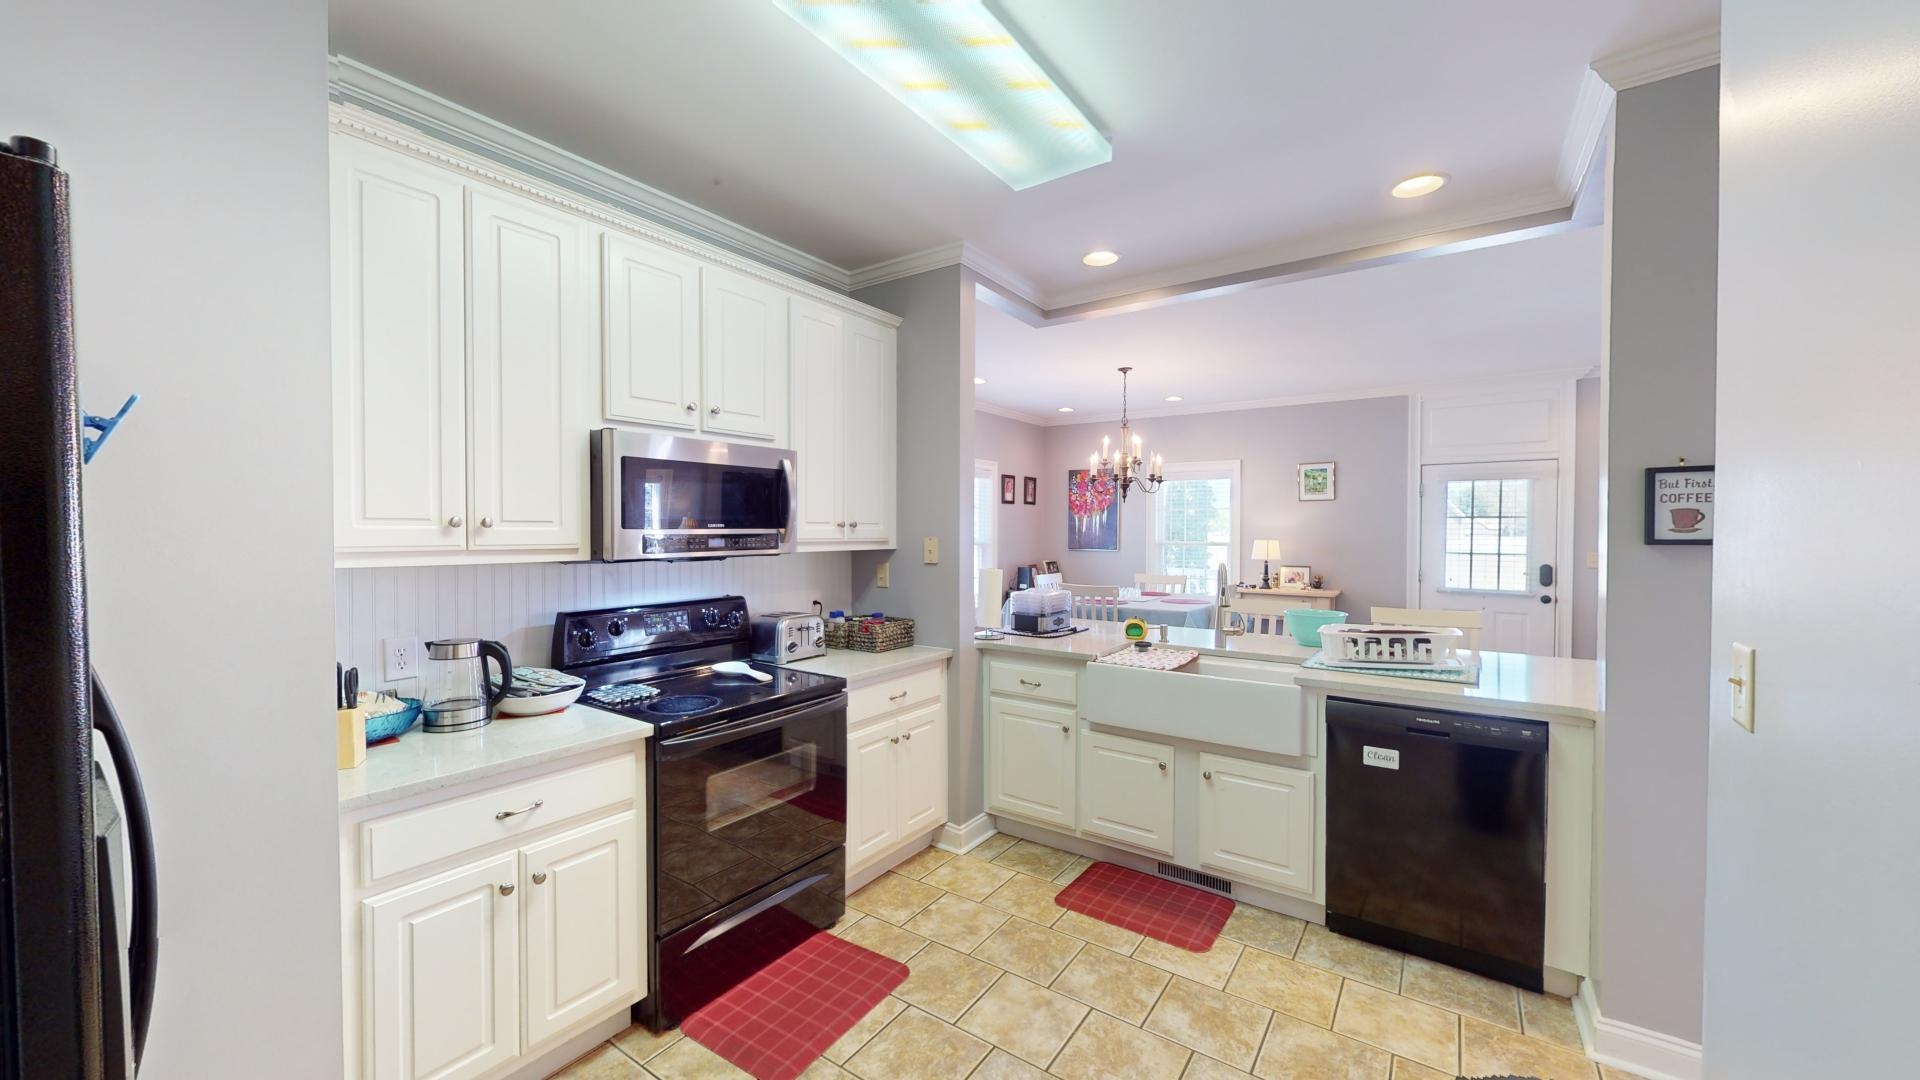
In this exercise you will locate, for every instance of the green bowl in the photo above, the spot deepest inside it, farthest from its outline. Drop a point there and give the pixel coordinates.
(1305, 623)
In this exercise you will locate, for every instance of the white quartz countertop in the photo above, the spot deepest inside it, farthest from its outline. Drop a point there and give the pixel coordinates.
(424, 761)
(861, 667)
(1510, 683)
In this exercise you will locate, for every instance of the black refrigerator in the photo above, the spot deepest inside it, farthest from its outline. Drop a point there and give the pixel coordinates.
(77, 905)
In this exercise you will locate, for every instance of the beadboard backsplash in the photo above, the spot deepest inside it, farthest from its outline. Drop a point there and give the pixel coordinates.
(515, 604)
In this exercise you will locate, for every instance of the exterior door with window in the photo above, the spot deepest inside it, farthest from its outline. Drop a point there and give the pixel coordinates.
(1488, 537)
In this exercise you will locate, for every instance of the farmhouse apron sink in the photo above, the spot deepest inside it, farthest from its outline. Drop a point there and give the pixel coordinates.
(1249, 704)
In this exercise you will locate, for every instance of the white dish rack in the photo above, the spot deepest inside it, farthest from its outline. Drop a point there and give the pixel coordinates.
(1399, 646)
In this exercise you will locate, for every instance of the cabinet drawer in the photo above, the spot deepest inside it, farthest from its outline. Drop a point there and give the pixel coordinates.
(914, 688)
(417, 837)
(1034, 681)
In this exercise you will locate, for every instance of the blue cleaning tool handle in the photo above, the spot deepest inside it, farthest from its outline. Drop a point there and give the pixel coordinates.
(103, 425)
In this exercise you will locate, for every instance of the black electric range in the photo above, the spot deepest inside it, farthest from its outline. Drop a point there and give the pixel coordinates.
(746, 790)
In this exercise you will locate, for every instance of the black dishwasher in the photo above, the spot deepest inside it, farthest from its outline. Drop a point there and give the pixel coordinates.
(1437, 835)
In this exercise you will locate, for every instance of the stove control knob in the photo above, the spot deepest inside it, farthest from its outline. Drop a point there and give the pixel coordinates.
(585, 638)
(793, 646)
(733, 619)
(710, 616)
(616, 627)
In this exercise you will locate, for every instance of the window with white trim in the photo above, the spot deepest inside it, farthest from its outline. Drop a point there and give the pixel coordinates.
(986, 520)
(1196, 522)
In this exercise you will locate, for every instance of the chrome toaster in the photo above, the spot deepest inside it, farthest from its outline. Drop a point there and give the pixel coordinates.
(781, 637)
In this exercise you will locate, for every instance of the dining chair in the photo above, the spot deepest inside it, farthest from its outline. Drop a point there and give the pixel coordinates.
(1095, 603)
(1170, 583)
(1262, 622)
(1468, 621)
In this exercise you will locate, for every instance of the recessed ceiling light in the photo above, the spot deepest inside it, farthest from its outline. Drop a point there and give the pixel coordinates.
(1064, 408)
(978, 381)
(1100, 258)
(1175, 397)
(1415, 186)
(959, 68)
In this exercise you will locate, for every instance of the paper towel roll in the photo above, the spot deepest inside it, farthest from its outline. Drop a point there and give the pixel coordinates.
(987, 612)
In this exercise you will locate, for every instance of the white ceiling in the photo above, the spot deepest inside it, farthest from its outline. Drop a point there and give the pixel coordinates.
(1519, 308)
(1245, 132)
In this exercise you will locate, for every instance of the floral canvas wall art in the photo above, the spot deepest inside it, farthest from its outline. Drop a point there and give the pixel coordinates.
(1093, 513)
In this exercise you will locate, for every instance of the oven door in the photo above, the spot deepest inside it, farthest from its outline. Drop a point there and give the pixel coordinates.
(666, 497)
(740, 806)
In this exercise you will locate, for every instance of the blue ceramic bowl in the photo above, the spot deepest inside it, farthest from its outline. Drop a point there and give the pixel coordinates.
(394, 723)
(1304, 624)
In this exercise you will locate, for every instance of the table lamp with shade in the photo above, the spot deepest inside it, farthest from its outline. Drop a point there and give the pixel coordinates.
(1265, 552)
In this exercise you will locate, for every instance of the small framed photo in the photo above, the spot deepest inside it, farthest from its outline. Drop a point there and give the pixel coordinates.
(1006, 488)
(1316, 481)
(1030, 490)
(1296, 577)
(1050, 566)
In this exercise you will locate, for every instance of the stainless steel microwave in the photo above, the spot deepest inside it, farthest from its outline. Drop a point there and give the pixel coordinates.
(669, 497)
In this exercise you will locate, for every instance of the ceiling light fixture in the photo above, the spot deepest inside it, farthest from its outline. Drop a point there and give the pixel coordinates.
(959, 69)
(1064, 408)
(978, 381)
(1123, 467)
(1100, 258)
(1175, 397)
(1415, 186)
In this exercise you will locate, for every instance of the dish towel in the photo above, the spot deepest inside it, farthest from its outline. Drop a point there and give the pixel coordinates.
(1151, 659)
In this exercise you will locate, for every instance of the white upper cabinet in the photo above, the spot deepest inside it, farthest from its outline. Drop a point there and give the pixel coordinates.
(743, 356)
(399, 352)
(531, 321)
(652, 335)
(843, 427)
(870, 460)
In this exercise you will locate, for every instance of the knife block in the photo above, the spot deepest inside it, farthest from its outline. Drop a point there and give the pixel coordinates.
(351, 745)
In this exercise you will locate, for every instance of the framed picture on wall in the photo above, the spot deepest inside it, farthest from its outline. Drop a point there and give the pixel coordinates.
(1030, 490)
(1296, 577)
(1316, 481)
(1006, 488)
(1093, 512)
(1050, 566)
(1680, 505)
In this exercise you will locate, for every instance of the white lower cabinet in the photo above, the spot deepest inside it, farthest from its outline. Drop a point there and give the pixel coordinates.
(923, 769)
(896, 780)
(1255, 821)
(583, 925)
(442, 982)
(1126, 791)
(1030, 768)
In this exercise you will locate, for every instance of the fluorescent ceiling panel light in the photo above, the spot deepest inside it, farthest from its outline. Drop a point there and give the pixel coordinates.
(959, 68)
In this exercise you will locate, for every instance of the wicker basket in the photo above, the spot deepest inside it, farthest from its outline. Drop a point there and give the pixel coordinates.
(861, 636)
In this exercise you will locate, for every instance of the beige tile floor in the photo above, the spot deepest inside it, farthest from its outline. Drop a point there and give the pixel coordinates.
(1006, 984)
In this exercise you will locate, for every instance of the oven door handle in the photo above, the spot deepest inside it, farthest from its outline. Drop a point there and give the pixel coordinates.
(687, 745)
(780, 897)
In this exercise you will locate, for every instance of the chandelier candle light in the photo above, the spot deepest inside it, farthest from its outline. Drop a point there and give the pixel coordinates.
(1127, 468)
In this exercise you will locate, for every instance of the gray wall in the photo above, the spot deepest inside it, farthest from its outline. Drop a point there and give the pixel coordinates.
(936, 499)
(1588, 418)
(1811, 879)
(1020, 448)
(195, 134)
(1358, 541)
(1658, 380)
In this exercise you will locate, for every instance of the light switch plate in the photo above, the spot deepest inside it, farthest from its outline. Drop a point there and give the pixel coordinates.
(930, 550)
(1593, 560)
(1741, 700)
(883, 576)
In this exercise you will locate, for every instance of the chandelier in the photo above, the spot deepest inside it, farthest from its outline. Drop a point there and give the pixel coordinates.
(1125, 468)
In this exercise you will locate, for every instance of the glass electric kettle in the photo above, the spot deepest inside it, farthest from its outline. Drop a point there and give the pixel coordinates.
(456, 694)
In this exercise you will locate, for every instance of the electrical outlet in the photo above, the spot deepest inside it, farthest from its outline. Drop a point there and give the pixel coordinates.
(883, 576)
(1740, 702)
(399, 656)
(930, 550)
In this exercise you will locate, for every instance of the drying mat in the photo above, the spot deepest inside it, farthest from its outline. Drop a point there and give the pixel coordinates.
(783, 1017)
(1463, 675)
(1163, 910)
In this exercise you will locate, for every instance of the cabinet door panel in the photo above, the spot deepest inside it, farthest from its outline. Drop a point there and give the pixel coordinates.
(442, 988)
(1126, 790)
(584, 923)
(871, 461)
(399, 352)
(653, 335)
(531, 312)
(743, 350)
(923, 769)
(1030, 763)
(1256, 821)
(819, 418)
(873, 791)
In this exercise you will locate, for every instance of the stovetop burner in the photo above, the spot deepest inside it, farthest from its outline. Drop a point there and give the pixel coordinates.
(683, 704)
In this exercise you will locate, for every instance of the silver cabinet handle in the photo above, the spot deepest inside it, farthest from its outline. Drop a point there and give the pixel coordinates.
(839, 524)
(486, 523)
(691, 407)
(1163, 766)
(1035, 685)
(1065, 730)
(853, 524)
(506, 888)
(539, 877)
(908, 736)
(1204, 775)
(897, 697)
(527, 809)
(456, 521)
(895, 739)
(715, 411)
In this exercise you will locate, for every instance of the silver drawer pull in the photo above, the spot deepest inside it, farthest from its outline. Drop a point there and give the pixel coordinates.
(539, 877)
(506, 888)
(527, 809)
(691, 407)
(908, 736)
(1065, 729)
(1035, 685)
(1163, 766)
(901, 696)
(1206, 775)
(895, 739)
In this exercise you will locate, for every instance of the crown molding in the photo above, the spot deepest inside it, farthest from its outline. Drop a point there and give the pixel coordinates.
(1009, 414)
(1662, 59)
(350, 82)
(1585, 132)
(998, 273)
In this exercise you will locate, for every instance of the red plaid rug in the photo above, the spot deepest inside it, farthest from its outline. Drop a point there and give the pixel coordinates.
(1163, 910)
(783, 1017)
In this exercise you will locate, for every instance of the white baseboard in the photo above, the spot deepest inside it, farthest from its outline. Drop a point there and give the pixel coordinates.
(1638, 1050)
(966, 836)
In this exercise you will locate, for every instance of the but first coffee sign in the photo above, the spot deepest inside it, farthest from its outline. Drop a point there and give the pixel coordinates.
(1680, 505)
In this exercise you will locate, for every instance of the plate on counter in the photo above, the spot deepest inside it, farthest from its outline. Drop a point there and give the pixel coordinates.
(539, 690)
